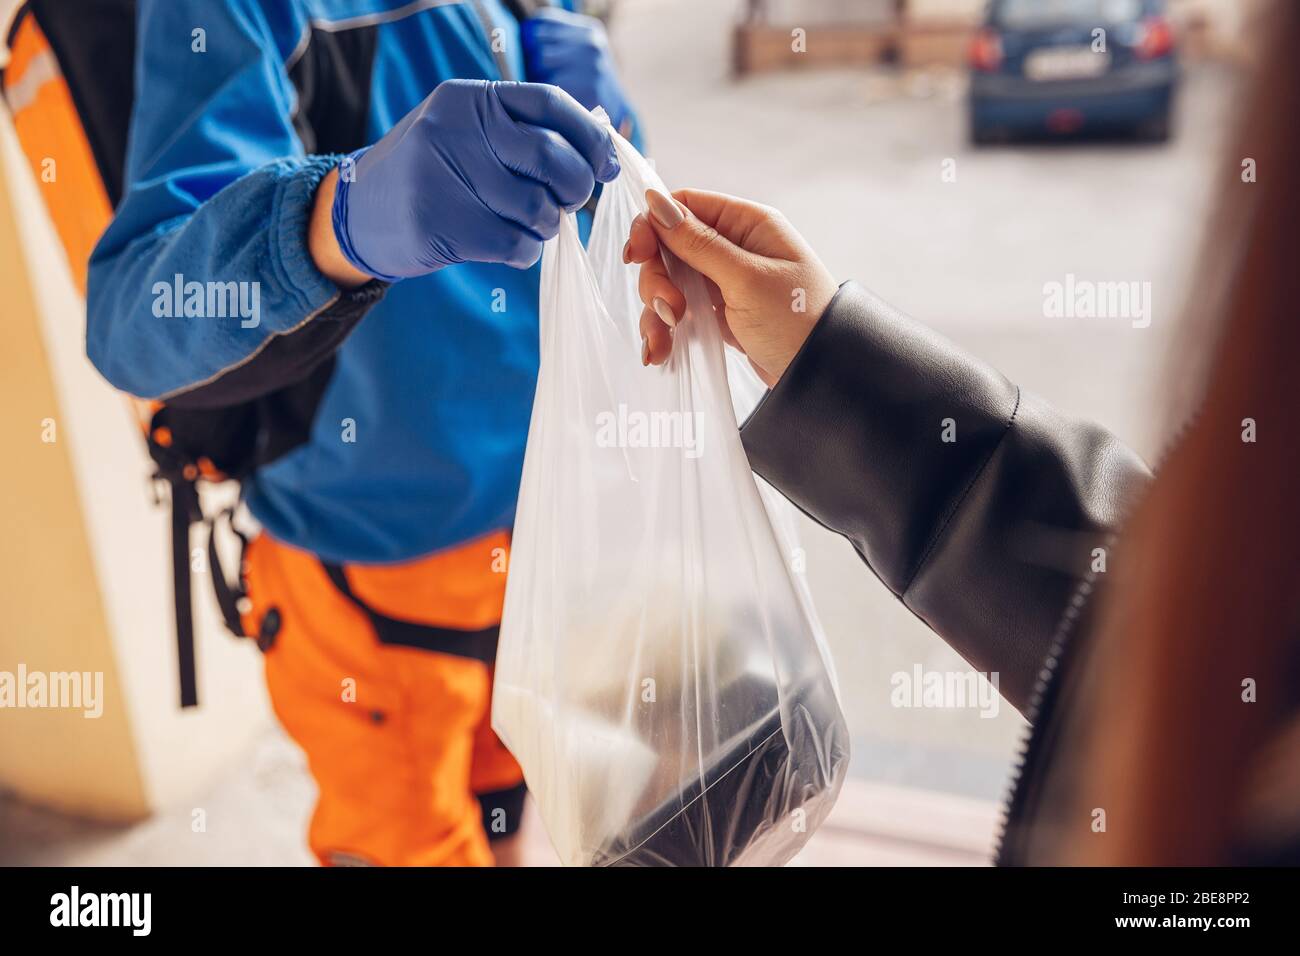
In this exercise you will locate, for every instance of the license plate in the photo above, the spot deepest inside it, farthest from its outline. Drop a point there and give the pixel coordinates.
(1066, 63)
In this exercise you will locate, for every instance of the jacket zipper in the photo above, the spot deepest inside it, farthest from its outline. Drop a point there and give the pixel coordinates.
(1049, 678)
(1044, 688)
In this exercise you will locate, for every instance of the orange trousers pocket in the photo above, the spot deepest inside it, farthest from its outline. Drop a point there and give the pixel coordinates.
(398, 738)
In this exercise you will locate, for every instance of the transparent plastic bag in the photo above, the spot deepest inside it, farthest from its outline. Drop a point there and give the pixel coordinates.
(661, 674)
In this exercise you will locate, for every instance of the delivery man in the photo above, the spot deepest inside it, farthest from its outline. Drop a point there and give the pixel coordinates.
(377, 188)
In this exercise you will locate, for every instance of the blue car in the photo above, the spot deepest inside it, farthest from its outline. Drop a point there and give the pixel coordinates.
(1057, 68)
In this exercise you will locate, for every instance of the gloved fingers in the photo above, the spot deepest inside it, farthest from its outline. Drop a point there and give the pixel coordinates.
(515, 246)
(535, 210)
(538, 211)
(557, 18)
(656, 339)
(528, 252)
(549, 159)
(552, 108)
(583, 85)
(545, 43)
(556, 24)
(520, 215)
(551, 55)
(520, 201)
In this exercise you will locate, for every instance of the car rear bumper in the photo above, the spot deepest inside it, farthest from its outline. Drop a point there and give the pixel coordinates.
(1124, 98)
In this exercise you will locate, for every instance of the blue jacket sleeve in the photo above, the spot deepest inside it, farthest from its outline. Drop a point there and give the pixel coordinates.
(206, 260)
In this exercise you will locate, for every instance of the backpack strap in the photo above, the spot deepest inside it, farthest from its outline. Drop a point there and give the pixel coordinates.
(185, 511)
(181, 475)
(229, 596)
(479, 645)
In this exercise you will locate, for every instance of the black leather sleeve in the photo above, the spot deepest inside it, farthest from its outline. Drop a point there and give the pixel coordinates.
(978, 505)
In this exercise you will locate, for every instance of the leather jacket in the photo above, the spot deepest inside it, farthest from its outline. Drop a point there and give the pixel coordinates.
(977, 504)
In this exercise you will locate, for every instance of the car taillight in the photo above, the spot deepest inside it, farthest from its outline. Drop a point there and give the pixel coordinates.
(986, 50)
(1157, 38)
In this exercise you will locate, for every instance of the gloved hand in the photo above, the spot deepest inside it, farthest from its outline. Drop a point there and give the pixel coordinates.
(478, 172)
(572, 51)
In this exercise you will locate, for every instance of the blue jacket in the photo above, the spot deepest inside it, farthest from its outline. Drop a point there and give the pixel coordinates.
(416, 438)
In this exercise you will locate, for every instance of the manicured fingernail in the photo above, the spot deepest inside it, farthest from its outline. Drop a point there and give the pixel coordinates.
(645, 350)
(627, 252)
(663, 209)
(665, 312)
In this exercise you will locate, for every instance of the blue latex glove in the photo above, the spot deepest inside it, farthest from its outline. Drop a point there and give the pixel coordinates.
(478, 172)
(572, 51)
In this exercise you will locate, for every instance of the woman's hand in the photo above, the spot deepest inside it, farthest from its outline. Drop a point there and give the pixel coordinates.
(767, 286)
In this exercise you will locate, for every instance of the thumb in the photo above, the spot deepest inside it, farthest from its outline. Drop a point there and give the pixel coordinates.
(695, 242)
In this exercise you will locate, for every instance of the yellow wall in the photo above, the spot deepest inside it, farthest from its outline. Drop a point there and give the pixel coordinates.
(53, 618)
(85, 564)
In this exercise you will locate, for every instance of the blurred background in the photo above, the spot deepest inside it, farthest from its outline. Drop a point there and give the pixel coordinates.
(953, 155)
